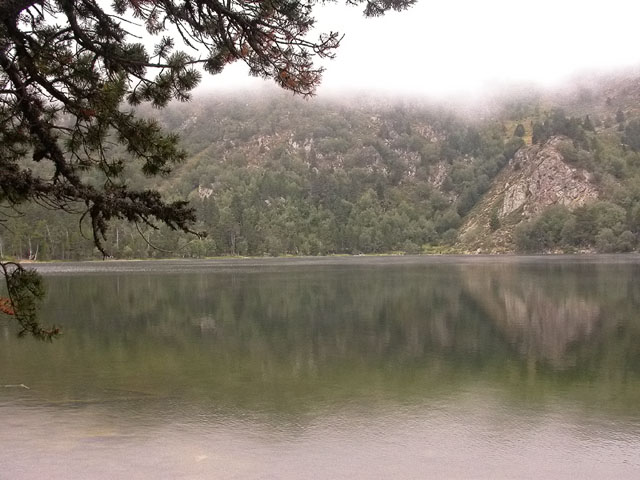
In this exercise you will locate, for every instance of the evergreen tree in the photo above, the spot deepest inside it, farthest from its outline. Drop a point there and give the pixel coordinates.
(632, 134)
(494, 220)
(540, 133)
(70, 73)
(519, 131)
(587, 124)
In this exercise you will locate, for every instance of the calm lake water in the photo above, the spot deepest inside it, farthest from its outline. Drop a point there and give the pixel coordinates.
(344, 368)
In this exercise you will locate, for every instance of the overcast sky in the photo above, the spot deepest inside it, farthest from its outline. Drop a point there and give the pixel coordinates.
(449, 47)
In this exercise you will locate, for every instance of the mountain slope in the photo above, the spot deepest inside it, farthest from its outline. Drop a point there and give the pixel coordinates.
(277, 175)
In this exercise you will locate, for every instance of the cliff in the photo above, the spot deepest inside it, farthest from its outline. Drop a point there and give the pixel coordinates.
(536, 178)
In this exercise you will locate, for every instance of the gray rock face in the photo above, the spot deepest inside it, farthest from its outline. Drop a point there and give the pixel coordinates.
(544, 179)
(537, 177)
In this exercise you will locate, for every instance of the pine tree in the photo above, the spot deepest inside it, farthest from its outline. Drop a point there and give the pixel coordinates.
(587, 124)
(519, 131)
(71, 73)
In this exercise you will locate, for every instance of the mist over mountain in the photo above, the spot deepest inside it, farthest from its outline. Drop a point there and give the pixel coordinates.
(523, 169)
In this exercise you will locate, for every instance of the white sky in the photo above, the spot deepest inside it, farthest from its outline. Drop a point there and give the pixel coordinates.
(449, 47)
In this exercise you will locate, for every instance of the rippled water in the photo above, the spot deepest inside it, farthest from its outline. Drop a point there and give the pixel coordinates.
(329, 368)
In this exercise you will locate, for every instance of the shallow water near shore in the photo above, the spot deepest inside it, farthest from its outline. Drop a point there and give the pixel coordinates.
(366, 367)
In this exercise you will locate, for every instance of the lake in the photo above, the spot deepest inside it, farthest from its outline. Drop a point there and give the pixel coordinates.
(334, 368)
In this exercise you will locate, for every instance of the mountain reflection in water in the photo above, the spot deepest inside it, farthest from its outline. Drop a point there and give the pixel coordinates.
(414, 359)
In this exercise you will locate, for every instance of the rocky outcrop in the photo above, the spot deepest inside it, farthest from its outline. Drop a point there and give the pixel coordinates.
(536, 178)
(438, 174)
(204, 192)
(539, 178)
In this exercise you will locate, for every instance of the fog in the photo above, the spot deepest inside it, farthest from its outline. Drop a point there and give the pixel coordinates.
(466, 48)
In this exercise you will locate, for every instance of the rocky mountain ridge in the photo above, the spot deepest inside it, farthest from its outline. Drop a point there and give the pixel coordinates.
(536, 178)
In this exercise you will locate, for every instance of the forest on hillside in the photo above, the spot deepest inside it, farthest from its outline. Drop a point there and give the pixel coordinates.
(283, 176)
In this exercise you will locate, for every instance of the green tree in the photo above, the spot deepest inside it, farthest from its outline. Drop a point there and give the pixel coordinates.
(587, 124)
(512, 146)
(540, 133)
(632, 134)
(519, 131)
(626, 242)
(494, 220)
(543, 233)
(71, 74)
(606, 241)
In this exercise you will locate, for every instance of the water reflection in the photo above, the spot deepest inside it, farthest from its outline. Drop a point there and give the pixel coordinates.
(303, 338)
(372, 369)
(542, 313)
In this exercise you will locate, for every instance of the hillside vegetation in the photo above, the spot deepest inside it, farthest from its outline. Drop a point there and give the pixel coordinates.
(280, 175)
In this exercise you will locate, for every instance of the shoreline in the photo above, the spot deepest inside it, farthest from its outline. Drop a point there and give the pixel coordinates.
(356, 261)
